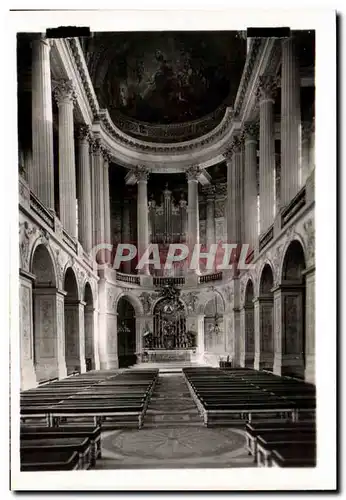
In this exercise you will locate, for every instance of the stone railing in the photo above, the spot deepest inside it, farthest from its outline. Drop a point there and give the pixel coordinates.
(168, 280)
(69, 241)
(266, 237)
(170, 132)
(206, 278)
(128, 278)
(293, 207)
(41, 211)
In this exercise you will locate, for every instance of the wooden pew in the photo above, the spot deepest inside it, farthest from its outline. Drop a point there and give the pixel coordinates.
(90, 432)
(286, 456)
(265, 446)
(51, 461)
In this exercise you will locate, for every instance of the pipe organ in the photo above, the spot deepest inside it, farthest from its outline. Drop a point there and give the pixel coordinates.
(167, 224)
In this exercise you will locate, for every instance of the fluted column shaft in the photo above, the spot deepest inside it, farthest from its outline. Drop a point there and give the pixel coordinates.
(41, 175)
(290, 123)
(84, 191)
(210, 222)
(65, 97)
(192, 207)
(267, 153)
(126, 230)
(235, 191)
(250, 185)
(98, 238)
(142, 215)
(107, 216)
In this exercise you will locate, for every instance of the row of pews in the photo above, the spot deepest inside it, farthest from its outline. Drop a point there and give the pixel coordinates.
(93, 397)
(278, 413)
(61, 422)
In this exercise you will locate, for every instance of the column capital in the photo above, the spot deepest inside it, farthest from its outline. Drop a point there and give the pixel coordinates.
(141, 173)
(266, 89)
(83, 132)
(106, 154)
(96, 146)
(192, 173)
(250, 131)
(209, 192)
(64, 92)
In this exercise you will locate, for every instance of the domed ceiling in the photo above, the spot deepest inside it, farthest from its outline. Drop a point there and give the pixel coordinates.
(165, 77)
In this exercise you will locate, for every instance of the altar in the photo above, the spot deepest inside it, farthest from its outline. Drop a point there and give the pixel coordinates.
(165, 355)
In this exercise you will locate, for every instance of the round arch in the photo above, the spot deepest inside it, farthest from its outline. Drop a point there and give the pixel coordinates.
(42, 263)
(126, 332)
(293, 261)
(266, 311)
(134, 301)
(75, 358)
(90, 361)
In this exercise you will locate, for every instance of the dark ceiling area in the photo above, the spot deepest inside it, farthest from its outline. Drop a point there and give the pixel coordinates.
(165, 77)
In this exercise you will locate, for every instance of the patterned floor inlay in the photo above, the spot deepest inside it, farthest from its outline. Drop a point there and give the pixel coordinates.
(174, 447)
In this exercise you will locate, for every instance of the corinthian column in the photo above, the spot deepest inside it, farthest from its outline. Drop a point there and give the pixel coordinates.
(210, 223)
(65, 96)
(235, 191)
(41, 175)
(99, 211)
(267, 151)
(290, 123)
(126, 230)
(142, 175)
(192, 175)
(106, 159)
(84, 190)
(250, 184)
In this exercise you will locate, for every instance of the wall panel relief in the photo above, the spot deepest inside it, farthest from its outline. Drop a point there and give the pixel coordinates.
(46, 341)
(249, 330)
(25, 322)
(266, 328)
(292, 325)
(27, 234)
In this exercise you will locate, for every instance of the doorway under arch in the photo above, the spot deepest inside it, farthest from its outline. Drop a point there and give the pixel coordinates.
(266, 300)
(214, 339)
(73, 325)
(249, 312)
(126, 333)
(293, 311)
(89, 328)
(45, 333)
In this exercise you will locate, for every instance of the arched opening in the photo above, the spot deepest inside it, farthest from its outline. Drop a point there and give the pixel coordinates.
(74, 323)
(126, 333)
(214, 342)
(266, 319)
(89, 328)
(293, 311)
(45, 312)
(249, 325)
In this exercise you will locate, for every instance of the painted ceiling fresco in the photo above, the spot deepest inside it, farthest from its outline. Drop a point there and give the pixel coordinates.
(166, 77)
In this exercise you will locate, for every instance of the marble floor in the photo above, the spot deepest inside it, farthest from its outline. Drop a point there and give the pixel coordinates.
(174, 447)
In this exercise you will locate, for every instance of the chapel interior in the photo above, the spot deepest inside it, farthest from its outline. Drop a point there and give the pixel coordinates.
(159, 138)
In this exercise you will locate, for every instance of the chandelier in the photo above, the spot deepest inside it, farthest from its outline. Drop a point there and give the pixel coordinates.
(215, 328)
(124, 328)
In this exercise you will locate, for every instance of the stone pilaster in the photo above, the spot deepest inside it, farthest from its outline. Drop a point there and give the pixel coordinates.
(290, 122)
(250, 184)
(102, 325)
(65, 97)
(192, 175)
(310, 374)
(142, 175)
(89, 331)
(266, 100)
(27, 370)
(106, 160)
(235, 182)
(49, 333)
(257, 334)
(41, 175)
(126, 231)
(84, 190)
(98, 176)
(288, 330)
